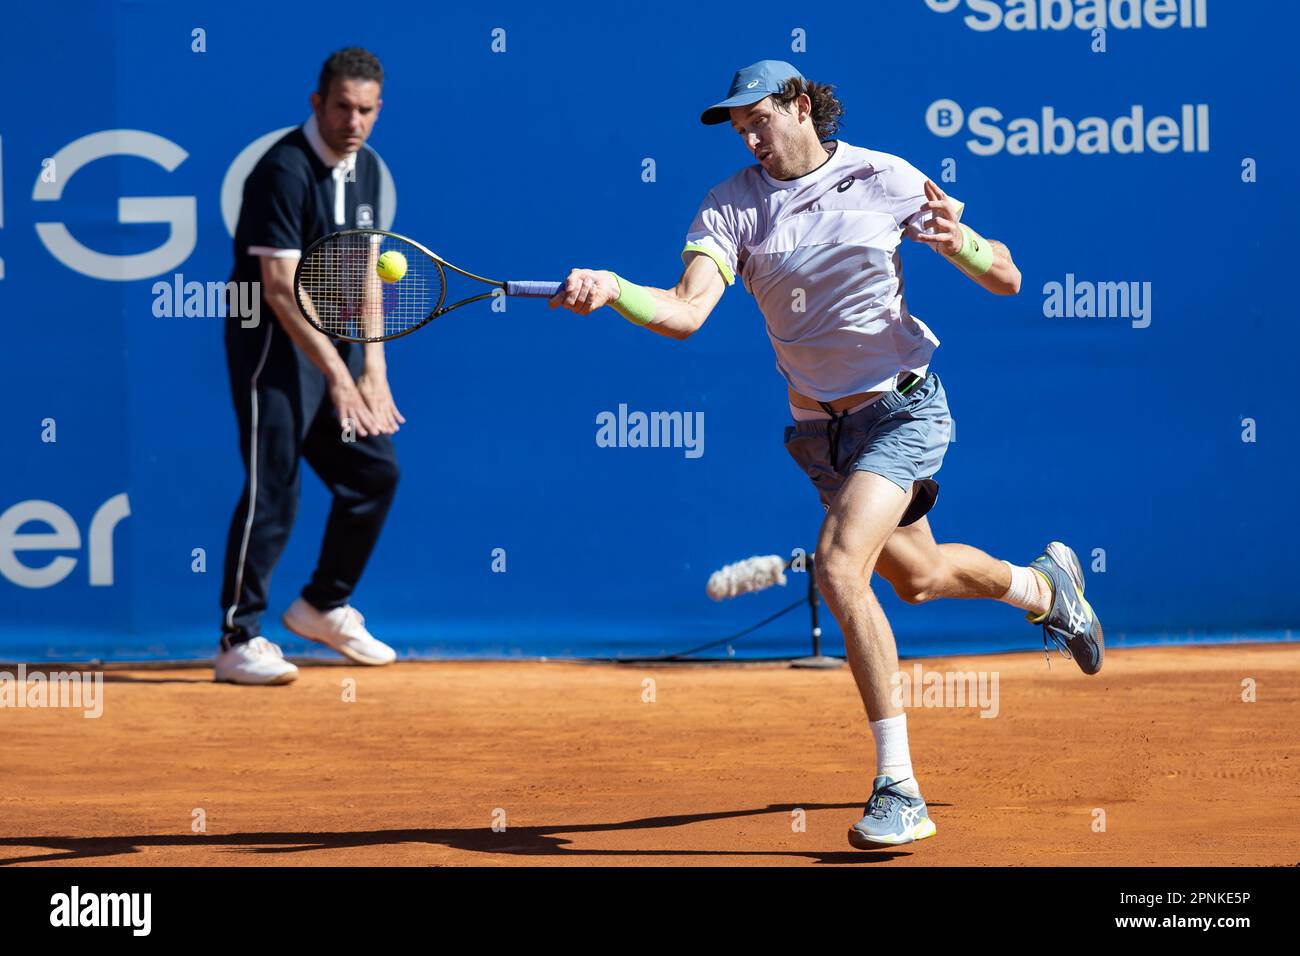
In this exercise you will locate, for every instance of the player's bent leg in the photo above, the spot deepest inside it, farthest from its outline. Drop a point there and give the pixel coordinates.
(1050, 589)
(920, 570)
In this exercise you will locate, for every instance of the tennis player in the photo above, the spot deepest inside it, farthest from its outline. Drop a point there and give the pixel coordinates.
(813, 230)
(300, 395)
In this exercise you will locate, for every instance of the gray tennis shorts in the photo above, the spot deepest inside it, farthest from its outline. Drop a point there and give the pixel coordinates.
(901, 437)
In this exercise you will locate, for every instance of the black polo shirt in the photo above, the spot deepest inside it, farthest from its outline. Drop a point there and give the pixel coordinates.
(289, 203)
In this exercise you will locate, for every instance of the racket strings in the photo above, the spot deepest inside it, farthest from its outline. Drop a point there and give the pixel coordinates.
(342, 292)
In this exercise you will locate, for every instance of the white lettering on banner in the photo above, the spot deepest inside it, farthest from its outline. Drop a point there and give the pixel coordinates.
(178, 212)
(64, 537)
(1018, 15)
(1052, 135)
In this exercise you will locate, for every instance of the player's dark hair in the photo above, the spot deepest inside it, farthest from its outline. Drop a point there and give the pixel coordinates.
(352, 63)
(826, 109)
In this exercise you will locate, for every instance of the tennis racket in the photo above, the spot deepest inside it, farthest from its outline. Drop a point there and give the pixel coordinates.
(340, 292)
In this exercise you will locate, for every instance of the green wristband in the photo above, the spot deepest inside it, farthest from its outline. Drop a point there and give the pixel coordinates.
(976, 255)
(634, 303)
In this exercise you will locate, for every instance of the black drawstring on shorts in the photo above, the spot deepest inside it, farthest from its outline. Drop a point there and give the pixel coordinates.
(833, 433)
(908, 383)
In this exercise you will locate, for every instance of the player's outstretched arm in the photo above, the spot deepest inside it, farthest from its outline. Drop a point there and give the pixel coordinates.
(986, 261)
(675, 312)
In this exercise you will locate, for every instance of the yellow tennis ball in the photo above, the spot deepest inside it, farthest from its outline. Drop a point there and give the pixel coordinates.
(391, 266)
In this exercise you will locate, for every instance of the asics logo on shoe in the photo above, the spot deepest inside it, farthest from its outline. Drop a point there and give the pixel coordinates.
(909, 815)
(1077, 618)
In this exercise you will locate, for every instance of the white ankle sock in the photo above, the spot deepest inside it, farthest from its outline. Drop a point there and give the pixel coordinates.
(1029, 590)
(893, 758)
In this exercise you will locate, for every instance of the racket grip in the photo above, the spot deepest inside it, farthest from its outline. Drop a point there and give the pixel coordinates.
(533, 290)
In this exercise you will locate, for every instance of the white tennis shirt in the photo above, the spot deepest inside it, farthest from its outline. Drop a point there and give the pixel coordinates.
(820, 256)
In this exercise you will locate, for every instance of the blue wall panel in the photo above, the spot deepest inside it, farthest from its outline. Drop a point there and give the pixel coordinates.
(529, 161)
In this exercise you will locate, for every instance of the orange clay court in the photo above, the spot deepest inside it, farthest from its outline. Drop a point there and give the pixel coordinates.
(710, 772)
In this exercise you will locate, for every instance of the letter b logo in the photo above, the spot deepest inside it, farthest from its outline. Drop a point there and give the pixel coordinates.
(944, 117)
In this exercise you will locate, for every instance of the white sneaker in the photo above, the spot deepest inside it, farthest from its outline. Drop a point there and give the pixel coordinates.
(254, 662)
(343, 629)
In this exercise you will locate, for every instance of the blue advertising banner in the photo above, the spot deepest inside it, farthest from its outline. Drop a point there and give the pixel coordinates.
(1132, 155)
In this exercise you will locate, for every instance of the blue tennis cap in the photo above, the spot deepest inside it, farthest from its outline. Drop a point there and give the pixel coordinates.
(749, 86)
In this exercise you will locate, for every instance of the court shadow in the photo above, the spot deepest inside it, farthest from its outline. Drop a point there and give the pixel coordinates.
(515, 840)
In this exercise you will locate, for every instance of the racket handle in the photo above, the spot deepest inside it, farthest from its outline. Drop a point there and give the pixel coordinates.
(533, 290)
